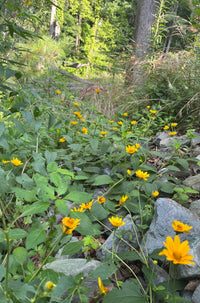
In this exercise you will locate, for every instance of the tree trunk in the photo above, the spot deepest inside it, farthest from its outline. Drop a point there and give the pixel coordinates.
(145, 17)
(52, 20)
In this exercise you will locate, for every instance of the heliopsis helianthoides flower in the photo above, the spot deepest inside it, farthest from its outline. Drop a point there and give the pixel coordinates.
(148, 106)
(86, 205)
(84, 130)
(152, 118)
(116, 221)
(142, 175)
(97, 90)
(137, 145)
(133, 122)
(5, 161)
(61, 100)
(166, 127)
(28, 2)
(76, 104)
(103, 133)
(62, 139)
(80, 209)
(111, 121)
(115, 128)
(58, 92)
(174, 124)
(153, 111)
(74, 122)
(16, 162)
(172, 133)
(176, 251)
(125, 114)
(128, 172)
(83, 120)
(49, 286)
(101, 200)
(69, 224)
(155, 193)
(78, 114)
(123, 199)
(102, 288)
(131, 149)
(120, 123)
(181, 227)
(129, 132)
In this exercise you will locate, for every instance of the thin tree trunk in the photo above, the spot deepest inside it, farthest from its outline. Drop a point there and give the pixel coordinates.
(52, 20)
(78, 22)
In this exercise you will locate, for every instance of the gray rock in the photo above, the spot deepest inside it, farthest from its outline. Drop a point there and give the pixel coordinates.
(161, 274)
(186, 294)
(196, 140)
(193, 182)
(167, 141)
(119, 245)
(195, 207)
(196, 295)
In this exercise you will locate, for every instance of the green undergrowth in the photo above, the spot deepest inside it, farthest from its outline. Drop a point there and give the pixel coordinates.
(54, 149)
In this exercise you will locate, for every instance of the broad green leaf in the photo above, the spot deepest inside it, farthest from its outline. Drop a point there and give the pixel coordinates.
(17, 233)
(183, 163)
(92, 169)
(25, 181)
(27, 195)
(39, 164)
(130, 256)
(2, 272)
(148, 188)
(20, 255)
(65, 282)
(52, 167)
(99, 211)
(49, 275)
(94, 142)
(62, 206)
(189, 190)
(167, 187)
(50, 156)
(65, 172)
(104, 271)
(86, 227)
(27, 116)
(34, 238)
(75, 147)
(2, 128)
(2, 236)
(79, 197)
(35, 208)
(102, 179)
(56, 179)
(173, 168)
(72, 248)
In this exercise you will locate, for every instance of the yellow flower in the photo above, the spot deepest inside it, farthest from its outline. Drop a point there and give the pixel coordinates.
(97, 90)
(111, 121)
(176, 251)
(125, 114)
(16, 161)
(116, 221)
(123, 199)
(137, 145)
(84, 130)
(166, 127)
(5, 161)
(142, 175)
(103, 133)
(80, 209)
(129, 132)
(69, 224)
(152, 118)
(62, 139)
(148, 106)
(49, 285)
(78, 114)
(153, 111)
(174, 124)
(61, 100)
(155, 193)
(128, 172)
(181, 227)
(131, 149)
(133, 122)
(120, 123)
(28, 2)
(76, 104)
(102, 288)
(86, 205)
(83, 120)
(115, 128)
(74, 122)
(58, 92)
(172, 133)
(101, 200)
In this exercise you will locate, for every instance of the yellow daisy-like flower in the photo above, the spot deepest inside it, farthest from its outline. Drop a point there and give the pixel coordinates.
(76, 104)
(103, 133)
(49, 286)
(174, 124)
(176, 251)
(181, 227)
(28, 2)
(166, 127)
(69, 224)
(128, 172)
(172, 133)
(133, 122)
(148, 106)
(129, 132)
(137, 145)
(80, 209)
(120, 123)
(101, 200)
(97, 90)
(74, 122)
(83, 120)
(111, 121)
(84, 130)
(123, 199)
(116, 221)
(5, 161)
(153, 111)
(86, 205)
(58, 92)
(125, 114)
(142, 175)
(62, 139)
(115, 128)
(155, 193)
(78, 114)
(16, 161)
(152, 118)
(61, 100)
(131, 149)
(102, 288)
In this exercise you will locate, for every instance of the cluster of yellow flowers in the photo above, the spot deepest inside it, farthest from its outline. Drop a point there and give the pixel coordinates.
(142, 175)
(14, 161)
(69, 224)
(172, 133)
(131, 149)
(83, 206)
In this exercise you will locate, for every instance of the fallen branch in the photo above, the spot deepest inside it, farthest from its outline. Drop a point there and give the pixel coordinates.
(74, 77)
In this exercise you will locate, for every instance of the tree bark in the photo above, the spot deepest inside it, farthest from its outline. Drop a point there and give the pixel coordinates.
(145, 17)
(52, 20)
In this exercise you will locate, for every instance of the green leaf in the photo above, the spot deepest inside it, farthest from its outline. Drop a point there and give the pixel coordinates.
(167, 187)
(17, 233)
(65, 172)
(35, 208)
(62, 206)
(34, 238)
(86, 227)
(104, 271)
(56, 179)
(39, 164)
(20, 255)
(2, 272)
(2, 236)
(130, 256)
(92, 169)
(27, 116)
(25, 181)
(102, 179)
(50, 156)
(27, 195)
(129, 293)
(2, 128)
(79, 197)
(72, 248)
(52, 167)
(173, 168)
(94, 142)
(98, 211)
(189, 190)
(183, 163)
